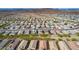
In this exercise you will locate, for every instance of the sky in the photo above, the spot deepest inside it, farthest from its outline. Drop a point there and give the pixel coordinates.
(39, 4)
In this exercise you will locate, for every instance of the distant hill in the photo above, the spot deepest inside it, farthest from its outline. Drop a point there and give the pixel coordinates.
(42, 10)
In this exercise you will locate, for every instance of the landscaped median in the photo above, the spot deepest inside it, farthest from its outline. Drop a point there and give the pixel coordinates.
(28, 36)
(40, 37)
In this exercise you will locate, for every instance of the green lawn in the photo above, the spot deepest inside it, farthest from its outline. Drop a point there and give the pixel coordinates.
(40, 37)
(3, 25)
